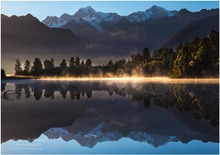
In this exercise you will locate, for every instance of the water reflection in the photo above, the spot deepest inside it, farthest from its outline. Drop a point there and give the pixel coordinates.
(92, 112)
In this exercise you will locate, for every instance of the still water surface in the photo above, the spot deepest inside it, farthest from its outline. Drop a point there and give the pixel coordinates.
(109, 117)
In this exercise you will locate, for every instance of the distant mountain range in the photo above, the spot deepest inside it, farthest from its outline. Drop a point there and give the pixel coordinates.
(102, 36)
(120, 35)
(97, 135)
(88, 14)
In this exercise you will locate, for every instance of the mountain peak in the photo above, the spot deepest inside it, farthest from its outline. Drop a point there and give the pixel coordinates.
(156, 8)
(29, 15)
(85, 12)
(183, 12)
(87, 9)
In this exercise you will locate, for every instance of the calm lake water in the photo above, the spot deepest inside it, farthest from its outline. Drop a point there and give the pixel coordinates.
(109, 117)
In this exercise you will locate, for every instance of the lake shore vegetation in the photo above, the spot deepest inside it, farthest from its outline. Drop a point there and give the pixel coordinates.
(196, 59)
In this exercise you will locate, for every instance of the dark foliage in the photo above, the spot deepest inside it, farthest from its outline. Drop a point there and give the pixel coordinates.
(3, 75)
(200, 58)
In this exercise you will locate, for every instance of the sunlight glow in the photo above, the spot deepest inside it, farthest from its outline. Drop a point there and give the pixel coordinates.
(134, 79)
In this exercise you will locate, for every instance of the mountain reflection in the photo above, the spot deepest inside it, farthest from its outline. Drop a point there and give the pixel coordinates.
(151, 112)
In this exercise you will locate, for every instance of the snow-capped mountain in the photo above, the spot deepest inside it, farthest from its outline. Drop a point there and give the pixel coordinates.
(53, 21)
(151, 13)
(88, 14)
(98, 135)
(88, 139)
(94, 18)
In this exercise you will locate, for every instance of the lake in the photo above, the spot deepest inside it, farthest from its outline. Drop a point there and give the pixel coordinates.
(109, 116)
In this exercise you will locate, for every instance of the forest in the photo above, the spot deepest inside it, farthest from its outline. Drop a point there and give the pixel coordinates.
(198, 58)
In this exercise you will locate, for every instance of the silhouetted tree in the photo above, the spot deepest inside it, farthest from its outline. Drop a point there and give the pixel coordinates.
(27, 67)
(63, 64)
(18, 69)
(82, 63)
(88, 63)
(49, 64)
(3, 75)
(49, 67)
(77, 62)
(63, 67)
(37, 68)
(110, 64)
(71, 62)
(146, 54)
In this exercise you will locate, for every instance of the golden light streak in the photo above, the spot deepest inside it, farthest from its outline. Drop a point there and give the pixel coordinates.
(135, 79)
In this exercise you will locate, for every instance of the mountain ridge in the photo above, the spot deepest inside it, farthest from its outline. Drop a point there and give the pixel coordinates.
(27, 34)
(90, 15)
(195, 29)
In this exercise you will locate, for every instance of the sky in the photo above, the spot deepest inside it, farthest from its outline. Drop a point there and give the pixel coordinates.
(42, 9)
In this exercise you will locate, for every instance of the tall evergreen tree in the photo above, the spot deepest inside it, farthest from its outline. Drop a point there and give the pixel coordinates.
(181, 64)
(110, 64)
(27, 67)
(146, 54)
(37, 68)
(48, 64)
(82, 63)
(63, 64)
(52, 62)
(18, 69)
(71, 62)
(77, 62)
(88, 63)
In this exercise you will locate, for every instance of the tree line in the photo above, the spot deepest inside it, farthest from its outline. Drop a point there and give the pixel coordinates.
(199, 58)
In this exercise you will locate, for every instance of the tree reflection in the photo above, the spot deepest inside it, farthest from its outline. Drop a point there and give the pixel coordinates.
(49, 93)
(27, 91)
(18, 91)
(38, 91)
(200, 100)
(3, 85)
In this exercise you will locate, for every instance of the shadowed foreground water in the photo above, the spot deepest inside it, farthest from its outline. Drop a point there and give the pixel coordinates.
(109, 117)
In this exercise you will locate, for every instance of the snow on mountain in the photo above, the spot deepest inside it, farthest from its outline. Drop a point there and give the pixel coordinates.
(53, 21)
(139, 16)
(54, 133)
(94, 18)
(151, 13)
(110, 17)
(94, 21)
(98, 135)
(85, 12)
